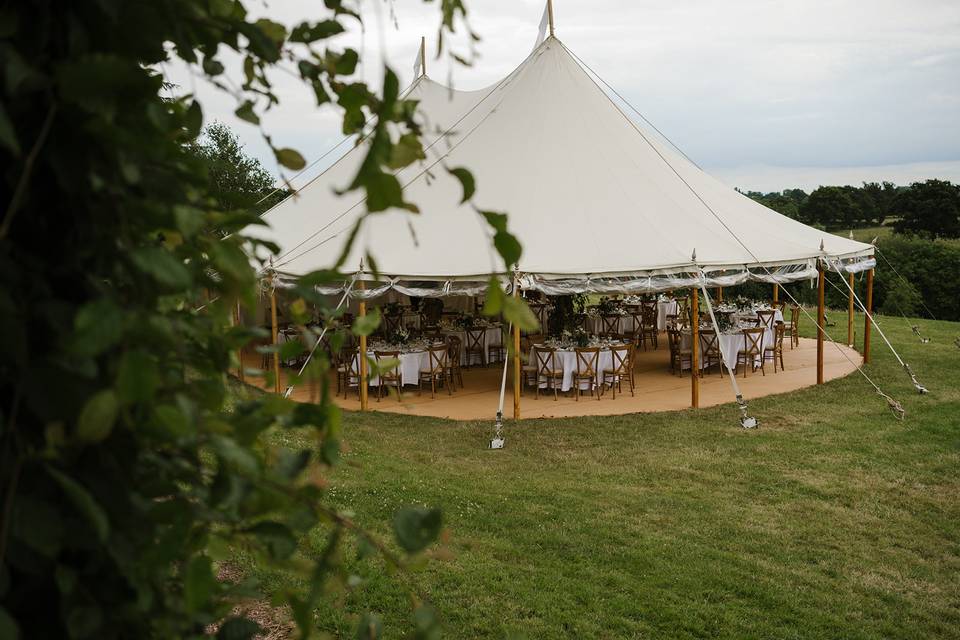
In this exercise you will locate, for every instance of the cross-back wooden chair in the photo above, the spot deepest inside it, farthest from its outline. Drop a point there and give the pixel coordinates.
(767, 319)
(547, 368)
(498, 352)
(751, 351)
(792, 328)
(780, 305)
(621, 367)
(476, 349)
(436, 371)
(678, 355)
(710, 350)
(648, 326)
(610, 326)
(389, 378)
(454, 355)
(349, 369)
(775, 351)
(392, 324)
(588, 370)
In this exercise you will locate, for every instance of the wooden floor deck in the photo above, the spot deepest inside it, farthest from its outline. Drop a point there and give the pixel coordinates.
(656, 388)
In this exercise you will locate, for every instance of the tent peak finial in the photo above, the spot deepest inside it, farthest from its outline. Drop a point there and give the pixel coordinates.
(550, 16)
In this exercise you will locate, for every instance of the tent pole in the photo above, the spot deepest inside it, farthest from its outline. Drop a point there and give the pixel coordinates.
(776, 293)
(516, 357)
(274, 333)
(362, 356)
(236, 322)
(423, 56)
(694, 347)
(550, 15)
(866, 322)
(820, 320)
(850, 315)
(719, 295)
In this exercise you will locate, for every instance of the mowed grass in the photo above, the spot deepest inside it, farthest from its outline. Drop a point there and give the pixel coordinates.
(832, 520)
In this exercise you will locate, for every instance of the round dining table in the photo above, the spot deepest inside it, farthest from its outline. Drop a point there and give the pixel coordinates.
(567, 361)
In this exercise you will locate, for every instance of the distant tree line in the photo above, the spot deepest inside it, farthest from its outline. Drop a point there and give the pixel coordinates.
(928, 209)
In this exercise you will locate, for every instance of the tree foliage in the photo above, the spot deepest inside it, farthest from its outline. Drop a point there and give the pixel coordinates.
(237, 181)
(930, 208)
(124, 477)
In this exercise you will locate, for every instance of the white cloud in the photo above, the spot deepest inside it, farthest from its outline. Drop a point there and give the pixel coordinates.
(813, 83)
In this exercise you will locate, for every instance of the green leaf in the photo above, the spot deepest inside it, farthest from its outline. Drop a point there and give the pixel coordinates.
(306, 32)
(97, 326)
(508, 247)
(416, 527)
(198, 583)
(98, 416)
(238, 629)
(365, 325)
(290, 158)
(137, 378)
(193, 119)
(276, 537)
(369, 627)
(212, 67)
(8, 626)
(516, 311)
(84, 503)
(405, 151)
(163, 266)
(245, 112)
(466, 181)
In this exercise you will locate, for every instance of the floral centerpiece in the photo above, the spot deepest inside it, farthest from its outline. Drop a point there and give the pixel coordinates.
(580, 337)
(610, 307)
(466, 321)
(399, 337)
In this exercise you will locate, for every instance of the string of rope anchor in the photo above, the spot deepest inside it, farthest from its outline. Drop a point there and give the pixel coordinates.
(343, 298)
(498, 427)
(893, 404)
(632, 108)
(906, 367)
(745, 420)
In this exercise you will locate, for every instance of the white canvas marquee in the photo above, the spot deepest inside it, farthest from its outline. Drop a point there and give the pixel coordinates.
(598, 202)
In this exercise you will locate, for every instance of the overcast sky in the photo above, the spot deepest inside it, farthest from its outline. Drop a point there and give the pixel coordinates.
(764, 94)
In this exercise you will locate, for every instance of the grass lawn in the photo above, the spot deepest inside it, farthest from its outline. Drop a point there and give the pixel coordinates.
(832, 520)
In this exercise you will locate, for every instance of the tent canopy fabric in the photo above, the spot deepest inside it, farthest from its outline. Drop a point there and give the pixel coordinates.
(590, 194)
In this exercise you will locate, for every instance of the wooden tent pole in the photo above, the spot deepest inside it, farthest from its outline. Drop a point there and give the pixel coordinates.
(274, 332)
(850, 315)
(866, 322)
(694, 348)
(776, 293)
(516, 357)
(820, 320)
(550, 15)
(362, 355)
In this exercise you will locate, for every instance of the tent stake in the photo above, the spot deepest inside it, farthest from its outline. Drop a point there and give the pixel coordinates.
(820, 319)
(694, 347)
(866, 322)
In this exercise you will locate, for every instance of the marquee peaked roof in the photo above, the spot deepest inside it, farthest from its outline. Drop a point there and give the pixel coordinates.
(588, 191)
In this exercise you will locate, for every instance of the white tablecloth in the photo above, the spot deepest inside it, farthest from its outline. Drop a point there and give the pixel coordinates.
(567, 361)
(730, 344)
(494, 336)
(411, 364)
(664, 309)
